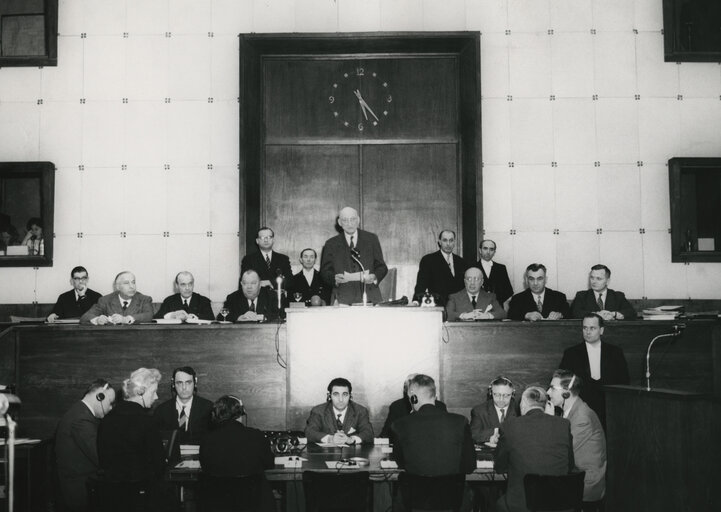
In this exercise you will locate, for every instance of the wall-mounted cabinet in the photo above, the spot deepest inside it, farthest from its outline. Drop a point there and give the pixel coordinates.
(28, 33)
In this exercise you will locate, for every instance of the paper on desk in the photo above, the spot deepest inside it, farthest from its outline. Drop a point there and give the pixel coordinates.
(389, 464)
(198, 321)
(284, 460)
(167, 321)
(333, 445)
(336, 464)
(484, 464)
(188, 464)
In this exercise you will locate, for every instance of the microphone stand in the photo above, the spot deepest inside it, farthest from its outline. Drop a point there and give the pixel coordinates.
(356, 257)
(677, 329)
(279, 292)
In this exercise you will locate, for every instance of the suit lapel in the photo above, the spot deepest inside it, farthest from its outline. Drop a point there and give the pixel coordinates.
(587, 363)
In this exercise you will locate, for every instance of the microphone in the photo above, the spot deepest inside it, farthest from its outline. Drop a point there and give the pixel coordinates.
(677, 330)
(279, 287)
(7, 401)
(356, 257)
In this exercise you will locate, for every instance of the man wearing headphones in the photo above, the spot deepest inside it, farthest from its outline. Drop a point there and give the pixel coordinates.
(589, 441)
(339, 420)
(186, 411)
(76, 453)
(402, 407)
(535, 442)
(186, 304)
(500, 406)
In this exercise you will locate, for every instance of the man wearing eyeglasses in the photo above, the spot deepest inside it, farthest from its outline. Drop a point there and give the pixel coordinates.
(500, 406)
(472, 303)
(74, 303)
(268, 263)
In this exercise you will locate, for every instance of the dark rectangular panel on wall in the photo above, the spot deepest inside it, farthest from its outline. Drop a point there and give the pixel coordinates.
(304, 188)
(409, 194)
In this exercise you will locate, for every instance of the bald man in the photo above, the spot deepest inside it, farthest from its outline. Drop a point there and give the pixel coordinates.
(472, 303)
(339, 266)
(125, 306)
(186, 304)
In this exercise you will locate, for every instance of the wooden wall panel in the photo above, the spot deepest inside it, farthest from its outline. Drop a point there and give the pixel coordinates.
(409, 194)
(305, 186)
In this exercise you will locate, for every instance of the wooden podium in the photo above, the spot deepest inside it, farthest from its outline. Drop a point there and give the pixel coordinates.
(663, 450)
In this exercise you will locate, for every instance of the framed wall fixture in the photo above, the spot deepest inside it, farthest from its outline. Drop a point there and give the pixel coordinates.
(28, 33)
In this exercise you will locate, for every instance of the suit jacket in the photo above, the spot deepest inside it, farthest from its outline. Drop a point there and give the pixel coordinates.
(67, 307)
(399, 409)
(585, 302)
(460, 303)
(534, 443)
(433, 442)
(140, 308)
(524, 302)
(298, 283)
(484, 419)
(434, 275)
(336, 259)
(614, 370)
(256, 261)
(265, 304)
(232, 449)
(589, 449)
(129, 444)
(76, 454)
(498, 282)
(199, 306)
(166, 417)
(322, 422)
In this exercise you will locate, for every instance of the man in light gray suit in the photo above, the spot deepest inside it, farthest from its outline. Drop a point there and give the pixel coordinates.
(472, 303)
(125, 306)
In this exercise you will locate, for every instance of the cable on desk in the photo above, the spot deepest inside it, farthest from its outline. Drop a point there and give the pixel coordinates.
(445, 333)
(278, 358)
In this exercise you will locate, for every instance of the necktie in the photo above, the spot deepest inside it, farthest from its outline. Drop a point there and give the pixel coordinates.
(352, 245)
(252, 306)
(503, 414)
(183, 419)
(125, 305)
(267, 260)
(80, 298)
(600, 302)
(185, 304)
(450, 265)
(539, 305)
(338, 423)
(473, 302)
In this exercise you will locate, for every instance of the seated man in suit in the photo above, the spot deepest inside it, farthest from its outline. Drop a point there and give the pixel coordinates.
(589, 441)
(500, 406)
(74, 303)
(402, 407)
(440, 273)
(538, 302)
(431, 441)
(251, 303)
(267, 263)
(535, 442)
(609, 304)
(76, 452)
(308, 282)
(495, 275)
(342, 257)
(339, 420)
(472, 303)
(126, 306)
(597, 363)
(186, 411)
(185, 304)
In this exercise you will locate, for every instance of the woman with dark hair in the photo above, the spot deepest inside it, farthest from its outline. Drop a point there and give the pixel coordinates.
(34, 237)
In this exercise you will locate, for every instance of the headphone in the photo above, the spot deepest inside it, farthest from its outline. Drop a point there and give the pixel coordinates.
(191, 372)
(567, 394)
(500, 381)
(414, 399)
(100, 396)
(242, 407)
(339, 382)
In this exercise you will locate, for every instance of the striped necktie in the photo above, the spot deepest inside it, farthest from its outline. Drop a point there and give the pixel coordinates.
(183, 419)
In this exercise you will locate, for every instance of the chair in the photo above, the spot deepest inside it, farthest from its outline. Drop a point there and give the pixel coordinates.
(230, 493)
(111, 496)
(546, 492)
(336, 492)
(431, 492)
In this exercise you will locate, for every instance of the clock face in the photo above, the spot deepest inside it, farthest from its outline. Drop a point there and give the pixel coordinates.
(360, 99)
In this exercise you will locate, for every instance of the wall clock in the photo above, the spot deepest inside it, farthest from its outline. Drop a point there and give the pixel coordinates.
(360, 99)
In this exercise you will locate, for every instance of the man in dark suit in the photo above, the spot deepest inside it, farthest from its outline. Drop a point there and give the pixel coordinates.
(500, 406)
(538, 302)
(126, 306)
(308, 281)
(431, 441)
(251, 303)
(597, 363)
(440, 273)
(495, 275)
(186, 411)
(609, 304)
(537, 443)
(472, 303)
(340, 268)
(339, 420)
(76, 452)
(186, 304)
(402, 407)
(265, 261)
(74, 303)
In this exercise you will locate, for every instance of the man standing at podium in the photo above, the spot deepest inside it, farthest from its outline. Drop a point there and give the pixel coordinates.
(440, 272)
(352, 259)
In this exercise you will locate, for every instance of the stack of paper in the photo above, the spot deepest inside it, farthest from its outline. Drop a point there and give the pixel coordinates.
(663, 313)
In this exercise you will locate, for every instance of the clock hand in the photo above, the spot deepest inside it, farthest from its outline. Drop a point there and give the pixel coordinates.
(362, 103)
(369, 110)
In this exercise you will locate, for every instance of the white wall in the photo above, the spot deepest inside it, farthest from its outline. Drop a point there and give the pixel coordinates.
(112, 156)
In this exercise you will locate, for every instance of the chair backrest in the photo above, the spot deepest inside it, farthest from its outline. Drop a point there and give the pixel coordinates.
(431, 492)
(110, 496)
(548, 492)
(231, 493)
(335, 492)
